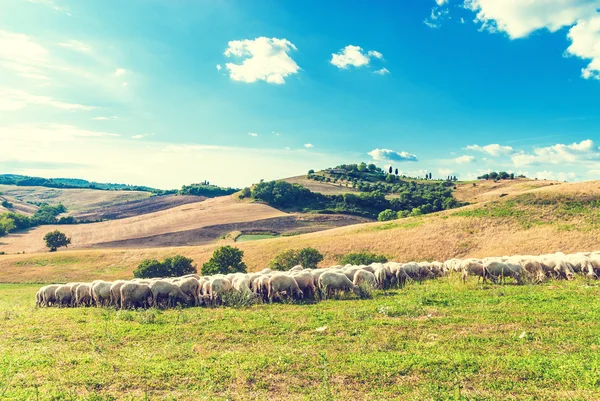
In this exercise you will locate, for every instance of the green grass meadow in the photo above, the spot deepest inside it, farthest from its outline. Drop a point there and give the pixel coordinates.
(438, 340)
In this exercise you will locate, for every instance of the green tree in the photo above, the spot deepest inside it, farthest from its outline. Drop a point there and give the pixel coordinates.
(311, 171)
(225, 260)
(308, 258)
(150, 268)
(362, 258)
(387, 215)
(178, 266)
(362, 167)
(55, 239)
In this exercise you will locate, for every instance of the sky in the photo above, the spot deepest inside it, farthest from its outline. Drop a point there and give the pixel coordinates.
(171, 92)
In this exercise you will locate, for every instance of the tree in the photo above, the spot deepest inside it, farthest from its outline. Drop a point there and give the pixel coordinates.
(362, 167)
(56, 239)
(311, 171)
(387, 215)
(308, 258)
(391, 170)
(225, 260)
(362, 258)
(396, 171)
(150, 268)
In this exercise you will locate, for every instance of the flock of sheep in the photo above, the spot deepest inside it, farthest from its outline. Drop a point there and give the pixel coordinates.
(311, 284)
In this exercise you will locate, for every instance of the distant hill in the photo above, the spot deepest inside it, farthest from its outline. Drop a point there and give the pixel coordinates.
(27, 181)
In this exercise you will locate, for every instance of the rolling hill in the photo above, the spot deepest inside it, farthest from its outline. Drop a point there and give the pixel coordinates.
(548, 218)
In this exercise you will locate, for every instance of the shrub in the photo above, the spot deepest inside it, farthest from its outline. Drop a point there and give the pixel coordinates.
(175, 266)
(55, 239)
(387, 215)
(311, 171)
(308, 258)
(6, 204)
(362, 258)
(225, 260)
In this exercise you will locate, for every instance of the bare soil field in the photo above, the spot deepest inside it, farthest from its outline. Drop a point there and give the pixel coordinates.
(559, 218)
(223, 210)
(137, 207)
(75, 200)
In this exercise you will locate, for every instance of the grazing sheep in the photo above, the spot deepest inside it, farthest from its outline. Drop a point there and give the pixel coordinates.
(306, 282)
(115, 292)
(364, 276)
(171, 293)
(101, 293)
(331, 283)
(83, 295)
(282, 283)
(296, 268)
(135, 295)
(190, 286)
(49, 295)
(219, 287)
(63, 295)
(472, 267)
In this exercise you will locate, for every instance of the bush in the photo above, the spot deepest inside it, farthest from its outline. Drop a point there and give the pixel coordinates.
(387, 215)
(6, 204)
(308, 258)
(175, 266)
(362, 258)
(225, 260)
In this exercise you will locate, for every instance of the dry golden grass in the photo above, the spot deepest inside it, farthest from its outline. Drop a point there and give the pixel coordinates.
(438, 236)
(73, 199)
(222, 210)
(326, 188)
(484, 191)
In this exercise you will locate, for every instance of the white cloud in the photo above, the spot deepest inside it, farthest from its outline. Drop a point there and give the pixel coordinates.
(353, 56)
(308, 145)
(119, 72)
(12, 99)
(520, 18)
(265, 59)
(21, 55)
(76, 46)
(388, 154)
(560, 176)
(52, 5)
(585, 43)
(383, 71)
(575, 153)
(375, 53)
(103, 118)
(465, 159)
(493, 149)
(276, 133)
(254, 134)
(437, 15)
(441, 2)
(219, 67)
(445, 172)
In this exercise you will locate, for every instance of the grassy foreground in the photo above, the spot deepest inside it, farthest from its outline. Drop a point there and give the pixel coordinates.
(439, 340)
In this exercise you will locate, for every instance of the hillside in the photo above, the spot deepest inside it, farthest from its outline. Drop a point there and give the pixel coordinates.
(561, 217)
(75, 200)
(189, 224)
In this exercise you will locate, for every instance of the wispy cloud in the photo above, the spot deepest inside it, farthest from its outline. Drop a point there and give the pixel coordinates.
(353, 56)
(13, 99)
(254, 134)
(52, 5)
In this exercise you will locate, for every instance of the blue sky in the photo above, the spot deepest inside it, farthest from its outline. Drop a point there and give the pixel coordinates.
(163, 93)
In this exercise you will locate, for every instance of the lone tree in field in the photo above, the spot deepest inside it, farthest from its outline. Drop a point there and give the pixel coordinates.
(396, 171)
(225, 260)
(391, 170)
(56, 239)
